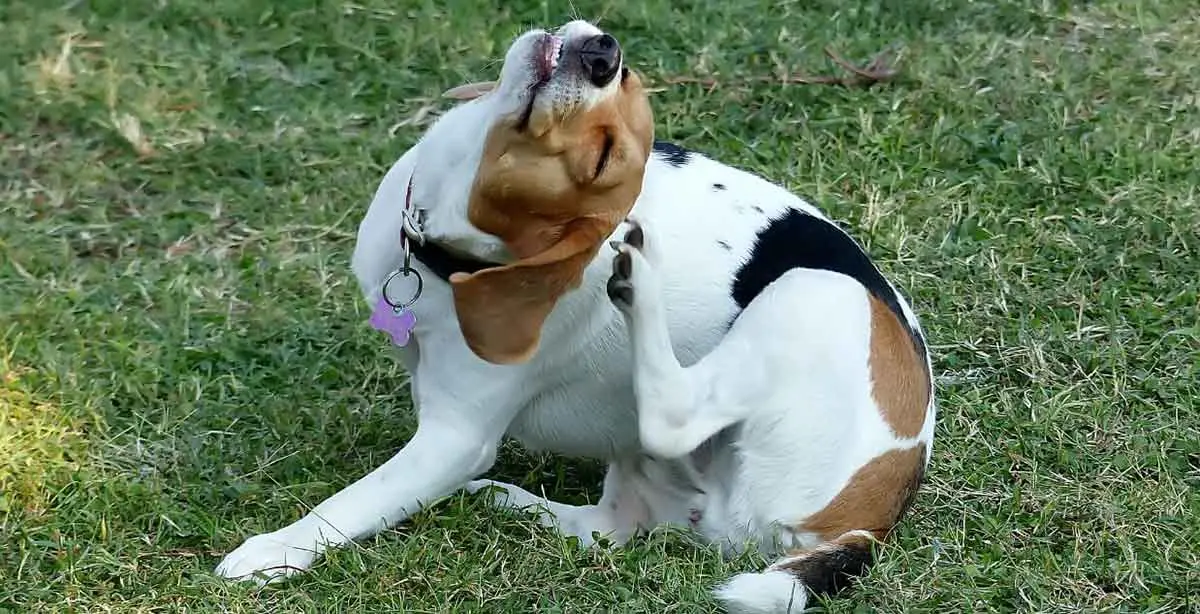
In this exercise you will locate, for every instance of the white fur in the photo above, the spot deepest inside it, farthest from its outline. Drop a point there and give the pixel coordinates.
(768, 592)
(791, 373)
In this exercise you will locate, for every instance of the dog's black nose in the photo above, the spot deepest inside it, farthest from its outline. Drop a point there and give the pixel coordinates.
(601, 56)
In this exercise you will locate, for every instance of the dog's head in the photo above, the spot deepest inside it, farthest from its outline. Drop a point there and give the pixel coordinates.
(569, 131)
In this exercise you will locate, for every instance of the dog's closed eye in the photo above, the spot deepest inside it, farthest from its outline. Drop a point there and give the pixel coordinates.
(605, 152)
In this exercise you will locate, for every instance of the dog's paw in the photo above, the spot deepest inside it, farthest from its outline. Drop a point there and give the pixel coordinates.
(629, 264)
(269, 557)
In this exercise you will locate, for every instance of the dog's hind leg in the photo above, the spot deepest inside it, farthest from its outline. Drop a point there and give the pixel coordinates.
(678, 408)
(616, 517)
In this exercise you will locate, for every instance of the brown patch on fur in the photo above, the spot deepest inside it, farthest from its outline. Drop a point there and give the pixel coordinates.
(899, 378)
(546, 193)
(874, 499)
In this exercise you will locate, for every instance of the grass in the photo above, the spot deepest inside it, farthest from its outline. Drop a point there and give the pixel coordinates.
(186, 362)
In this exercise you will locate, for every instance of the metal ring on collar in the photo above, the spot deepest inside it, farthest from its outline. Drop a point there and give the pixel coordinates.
(406, 271)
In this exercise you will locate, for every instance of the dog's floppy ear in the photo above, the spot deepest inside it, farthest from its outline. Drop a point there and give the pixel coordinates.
(501, 310)
(470, 91)
(552, 196)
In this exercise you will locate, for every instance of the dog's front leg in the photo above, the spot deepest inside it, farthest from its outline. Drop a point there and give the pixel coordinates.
(445, 452)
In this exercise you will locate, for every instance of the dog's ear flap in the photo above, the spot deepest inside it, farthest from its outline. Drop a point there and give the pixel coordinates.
(501, 310)
(470, 91)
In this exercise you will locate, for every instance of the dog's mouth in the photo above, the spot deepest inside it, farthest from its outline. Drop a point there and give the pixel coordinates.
(546, 55)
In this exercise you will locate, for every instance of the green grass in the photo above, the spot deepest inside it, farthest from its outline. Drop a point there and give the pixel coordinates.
(186, 361)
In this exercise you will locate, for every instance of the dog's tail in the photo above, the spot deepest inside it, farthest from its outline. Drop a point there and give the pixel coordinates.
(784, 587)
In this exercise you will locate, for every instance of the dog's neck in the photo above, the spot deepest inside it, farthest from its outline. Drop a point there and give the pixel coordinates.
(444, 263)
(428, 251)
(448, 157)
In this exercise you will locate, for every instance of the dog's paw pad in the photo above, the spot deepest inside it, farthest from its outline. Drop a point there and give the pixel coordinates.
(620, 292)
(620, 284)
(636, 237)
(622, 265)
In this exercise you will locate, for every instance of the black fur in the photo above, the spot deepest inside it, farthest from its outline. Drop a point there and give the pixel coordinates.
(832, 568)
(718, 186)
(798, 240)
(672, 154)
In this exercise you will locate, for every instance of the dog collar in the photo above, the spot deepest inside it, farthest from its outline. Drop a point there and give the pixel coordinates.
(393, 317)
(443, 263)
(437, 259)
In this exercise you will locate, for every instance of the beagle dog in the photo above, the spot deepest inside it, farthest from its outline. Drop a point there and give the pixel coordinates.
(553, 274)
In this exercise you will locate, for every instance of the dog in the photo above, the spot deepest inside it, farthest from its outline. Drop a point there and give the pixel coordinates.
(554, 274)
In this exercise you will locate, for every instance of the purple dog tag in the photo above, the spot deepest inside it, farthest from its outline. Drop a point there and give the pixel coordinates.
(398, 325)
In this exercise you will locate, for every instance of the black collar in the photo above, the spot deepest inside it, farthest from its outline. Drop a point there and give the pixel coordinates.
(443, 263)
(435, 257)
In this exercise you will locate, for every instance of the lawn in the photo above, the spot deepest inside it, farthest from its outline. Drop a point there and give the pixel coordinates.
(185, 360)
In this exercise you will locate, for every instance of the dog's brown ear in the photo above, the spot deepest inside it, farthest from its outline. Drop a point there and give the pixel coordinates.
(501, 310)
(552, 196)
(470, 91)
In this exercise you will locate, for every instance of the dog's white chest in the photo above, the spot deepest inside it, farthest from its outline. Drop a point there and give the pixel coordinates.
(592, 418)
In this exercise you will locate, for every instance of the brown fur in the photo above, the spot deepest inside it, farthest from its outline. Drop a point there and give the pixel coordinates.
(536, 189)
(899, 378)
(874, 499)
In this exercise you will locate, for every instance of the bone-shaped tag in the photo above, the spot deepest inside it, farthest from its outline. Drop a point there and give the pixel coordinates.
(399, 324)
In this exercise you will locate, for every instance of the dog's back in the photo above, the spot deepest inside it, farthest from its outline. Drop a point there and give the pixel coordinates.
(820, 381)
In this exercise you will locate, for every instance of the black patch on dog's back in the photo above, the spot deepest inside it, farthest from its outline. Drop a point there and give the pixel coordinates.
(797, 240)
(672, 154)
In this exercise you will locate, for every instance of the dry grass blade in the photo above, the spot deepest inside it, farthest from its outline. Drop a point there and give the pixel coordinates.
(878, 69)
